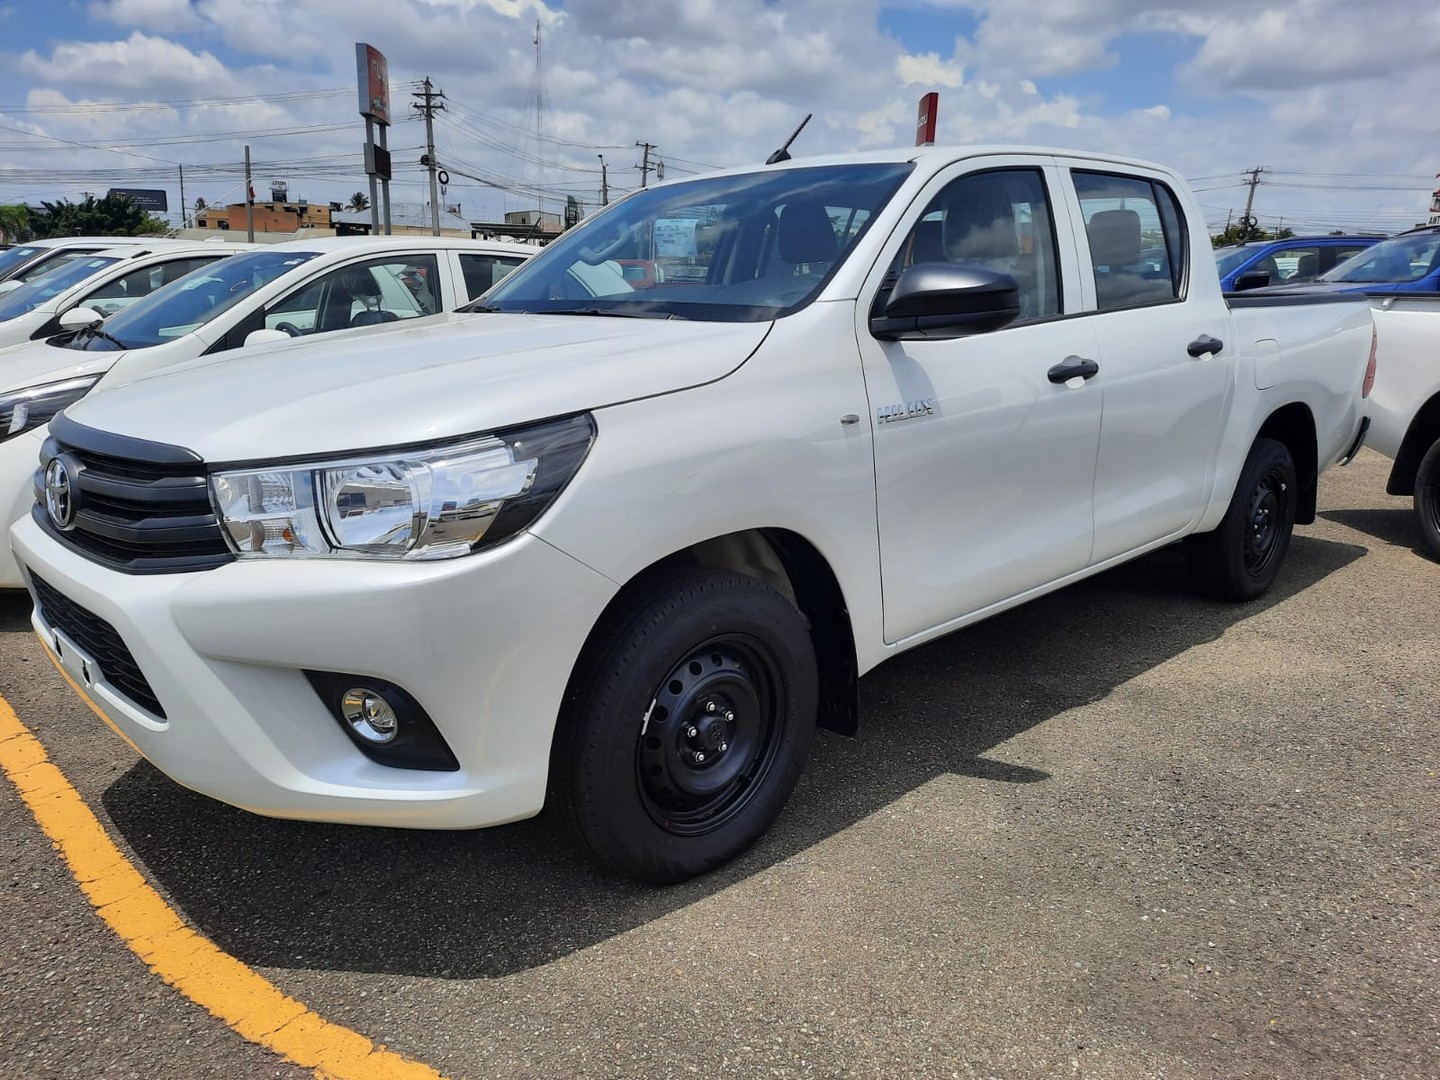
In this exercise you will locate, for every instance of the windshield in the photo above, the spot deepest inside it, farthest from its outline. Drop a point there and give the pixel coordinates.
(51, 284)
(1399, 259)
(1228, 259)
(727, 248)
(16, 256)
(189, 302)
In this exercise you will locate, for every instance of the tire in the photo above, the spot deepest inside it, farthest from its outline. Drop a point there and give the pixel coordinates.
(646, 797)
(1240, 559)
(1427, 499)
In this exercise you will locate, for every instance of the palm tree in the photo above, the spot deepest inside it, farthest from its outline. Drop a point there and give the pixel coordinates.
(14, 220)
(358, 202)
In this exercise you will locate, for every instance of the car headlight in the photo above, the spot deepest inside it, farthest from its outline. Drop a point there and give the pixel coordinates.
(28, 408)
(431, 503)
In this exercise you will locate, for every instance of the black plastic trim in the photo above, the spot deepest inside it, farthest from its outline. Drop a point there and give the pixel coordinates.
(122, 447)
(417, 745)
(1349, 455)
(1254, 298)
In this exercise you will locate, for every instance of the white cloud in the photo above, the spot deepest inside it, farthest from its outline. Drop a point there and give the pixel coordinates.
(162, 16)
(1301, 85)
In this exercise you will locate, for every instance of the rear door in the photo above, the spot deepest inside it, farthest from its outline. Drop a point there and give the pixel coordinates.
(983, 465)
(1164, 404)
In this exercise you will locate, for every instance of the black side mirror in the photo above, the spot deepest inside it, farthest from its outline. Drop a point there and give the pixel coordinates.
(1252, 279)
(946, 300)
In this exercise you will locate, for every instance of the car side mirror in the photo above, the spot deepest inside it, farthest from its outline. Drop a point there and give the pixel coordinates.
(1252, 279)
(264, 336)
(77, 318)
(946, 300)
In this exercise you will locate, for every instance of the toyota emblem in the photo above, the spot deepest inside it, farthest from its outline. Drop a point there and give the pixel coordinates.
(60, 493)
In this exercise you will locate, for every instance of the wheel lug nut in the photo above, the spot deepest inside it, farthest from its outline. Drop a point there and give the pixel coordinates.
(692, 731)
(710, 706)
(724, 747)
(729, 717)
(699, 758)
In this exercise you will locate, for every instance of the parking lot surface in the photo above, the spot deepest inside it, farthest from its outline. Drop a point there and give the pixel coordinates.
(1119, 832)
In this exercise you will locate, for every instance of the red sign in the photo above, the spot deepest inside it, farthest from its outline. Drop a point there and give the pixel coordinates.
(373, 75)
(925, 123)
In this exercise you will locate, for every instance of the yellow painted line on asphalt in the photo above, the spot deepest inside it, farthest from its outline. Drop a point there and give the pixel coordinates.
(247, 1002)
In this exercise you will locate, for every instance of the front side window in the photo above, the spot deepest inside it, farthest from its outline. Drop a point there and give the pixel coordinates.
(1136, 237)
(365, 294)
(742, 248)
(49, 285)
(998, 221)
(1293, 264)
(198, 297)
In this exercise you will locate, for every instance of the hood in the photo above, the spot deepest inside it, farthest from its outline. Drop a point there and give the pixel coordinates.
(458, 374)
(34, 362)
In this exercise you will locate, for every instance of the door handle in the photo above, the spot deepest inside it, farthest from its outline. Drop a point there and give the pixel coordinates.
(1072, 366)
(1204, 344)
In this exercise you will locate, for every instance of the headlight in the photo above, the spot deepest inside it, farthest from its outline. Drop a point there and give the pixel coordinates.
(431, 503)
(22, 410)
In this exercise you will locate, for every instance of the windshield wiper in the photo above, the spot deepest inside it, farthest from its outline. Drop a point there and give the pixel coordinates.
(611, 313)
(86, 333)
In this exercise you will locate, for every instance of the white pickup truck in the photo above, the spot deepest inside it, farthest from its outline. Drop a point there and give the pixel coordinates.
(1406, 405)
(623, 535)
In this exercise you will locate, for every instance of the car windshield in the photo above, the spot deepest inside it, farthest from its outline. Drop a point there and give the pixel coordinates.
(1228, 259)
(50, 284)
(1399, 259)
(727, 248)
(189, 302)
(16, 256)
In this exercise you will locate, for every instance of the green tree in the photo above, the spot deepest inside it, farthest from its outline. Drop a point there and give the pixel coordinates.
(1242, 234)
(14, 223)
(359, 201)
(112, 215)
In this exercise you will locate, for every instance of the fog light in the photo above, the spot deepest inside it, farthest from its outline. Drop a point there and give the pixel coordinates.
(369, 715)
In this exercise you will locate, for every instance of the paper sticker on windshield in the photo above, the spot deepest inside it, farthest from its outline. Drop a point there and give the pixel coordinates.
(675, 236)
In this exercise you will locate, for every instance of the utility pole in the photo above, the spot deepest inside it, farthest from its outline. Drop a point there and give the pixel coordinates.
(645, 162)
(183, 215)
(604, 182)
(249, 201)
(428, 108)
(1247, 223)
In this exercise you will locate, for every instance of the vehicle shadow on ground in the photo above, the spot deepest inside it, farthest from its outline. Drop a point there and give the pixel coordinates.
(1394, 525)
(494, 902)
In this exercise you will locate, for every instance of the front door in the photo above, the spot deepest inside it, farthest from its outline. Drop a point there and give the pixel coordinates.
(983, 465)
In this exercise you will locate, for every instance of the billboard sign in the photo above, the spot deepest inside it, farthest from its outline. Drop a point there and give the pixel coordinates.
(145, 198)
(925, 121)
(373, 76)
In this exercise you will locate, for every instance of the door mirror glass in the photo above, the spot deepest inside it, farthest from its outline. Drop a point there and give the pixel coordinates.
(1252, 279)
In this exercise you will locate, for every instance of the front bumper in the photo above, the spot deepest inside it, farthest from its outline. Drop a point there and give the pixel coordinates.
(485, 643)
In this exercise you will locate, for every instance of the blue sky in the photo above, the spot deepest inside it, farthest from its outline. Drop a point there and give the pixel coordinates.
(1212, 89)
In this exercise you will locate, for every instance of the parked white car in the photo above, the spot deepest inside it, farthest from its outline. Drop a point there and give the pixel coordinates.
(1405, 405)
(84, 288)
(632, 529)
(297, 288)
(25, 261)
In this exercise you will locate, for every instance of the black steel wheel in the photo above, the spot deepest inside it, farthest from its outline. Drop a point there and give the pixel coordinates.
(1427, 500)
(686, 726)
(1240, 559)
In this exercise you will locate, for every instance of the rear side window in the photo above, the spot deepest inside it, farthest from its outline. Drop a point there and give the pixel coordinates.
(1136, 235)
(482, 271)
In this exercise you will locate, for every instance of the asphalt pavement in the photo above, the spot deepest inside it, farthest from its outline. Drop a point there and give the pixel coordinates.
(1120, 832)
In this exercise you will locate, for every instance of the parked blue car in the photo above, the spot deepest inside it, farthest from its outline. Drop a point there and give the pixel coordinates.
(1285, 262)
(1407, 263)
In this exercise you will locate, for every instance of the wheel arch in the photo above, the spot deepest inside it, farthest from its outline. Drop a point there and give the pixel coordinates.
(1294, 425)
(1424, 429)
(794, 567)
